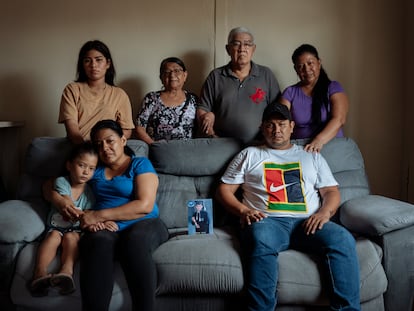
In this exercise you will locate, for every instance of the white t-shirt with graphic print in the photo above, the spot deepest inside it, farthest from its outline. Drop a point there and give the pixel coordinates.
(281, 183)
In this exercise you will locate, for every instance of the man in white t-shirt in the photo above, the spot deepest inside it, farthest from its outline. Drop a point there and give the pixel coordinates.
(289, 196)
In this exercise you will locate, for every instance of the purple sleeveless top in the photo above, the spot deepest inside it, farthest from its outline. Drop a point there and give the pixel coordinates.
(301, 109)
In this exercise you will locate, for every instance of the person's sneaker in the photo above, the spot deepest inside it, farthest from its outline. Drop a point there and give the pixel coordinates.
(40, 286)
(64, 282)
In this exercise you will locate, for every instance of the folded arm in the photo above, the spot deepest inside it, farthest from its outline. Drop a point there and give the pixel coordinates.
(139, 207)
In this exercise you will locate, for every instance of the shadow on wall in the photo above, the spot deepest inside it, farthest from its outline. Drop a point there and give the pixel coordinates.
(20, 101)
(33, 99)
(19, 97)
(24, 98)
(198, 68)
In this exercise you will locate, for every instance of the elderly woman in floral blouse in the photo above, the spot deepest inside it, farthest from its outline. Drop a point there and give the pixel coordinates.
(169, 113)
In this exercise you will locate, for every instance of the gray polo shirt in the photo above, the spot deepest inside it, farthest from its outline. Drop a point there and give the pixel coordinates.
(238, 106)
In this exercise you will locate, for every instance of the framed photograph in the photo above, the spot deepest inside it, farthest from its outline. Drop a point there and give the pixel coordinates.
(200, 216)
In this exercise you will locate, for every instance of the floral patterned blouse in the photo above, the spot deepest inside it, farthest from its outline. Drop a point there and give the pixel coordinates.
(162, 122)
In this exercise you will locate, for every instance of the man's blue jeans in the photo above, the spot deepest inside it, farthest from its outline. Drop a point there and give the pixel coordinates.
(264, 240)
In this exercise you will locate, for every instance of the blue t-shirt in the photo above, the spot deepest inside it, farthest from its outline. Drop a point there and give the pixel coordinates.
(120, 190)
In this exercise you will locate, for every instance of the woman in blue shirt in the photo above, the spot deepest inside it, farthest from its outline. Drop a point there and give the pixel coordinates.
(125, 187)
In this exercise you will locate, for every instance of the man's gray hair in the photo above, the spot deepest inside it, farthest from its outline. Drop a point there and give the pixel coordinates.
(237, 30)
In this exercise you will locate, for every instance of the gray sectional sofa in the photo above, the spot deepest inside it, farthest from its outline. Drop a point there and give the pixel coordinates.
(204, 272)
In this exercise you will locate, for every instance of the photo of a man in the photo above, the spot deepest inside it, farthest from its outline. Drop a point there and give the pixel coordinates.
(200, 218)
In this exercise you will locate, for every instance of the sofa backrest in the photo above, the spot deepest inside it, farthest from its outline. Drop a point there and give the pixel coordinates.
(187, 169)
(190, 169)
(347, 164)
(45, 157)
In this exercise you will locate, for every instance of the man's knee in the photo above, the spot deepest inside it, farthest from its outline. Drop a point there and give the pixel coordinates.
(338, 235)
(263, 238)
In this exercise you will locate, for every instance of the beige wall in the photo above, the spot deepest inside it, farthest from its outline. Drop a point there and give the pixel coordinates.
(363, 44)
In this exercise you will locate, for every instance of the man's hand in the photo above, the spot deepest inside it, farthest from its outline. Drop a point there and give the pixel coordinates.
(330, 201)
(207, 123)
(316, 222)
(226, 195)
(251, 215)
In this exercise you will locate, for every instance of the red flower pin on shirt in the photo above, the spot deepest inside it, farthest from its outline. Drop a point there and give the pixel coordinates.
(258, 96)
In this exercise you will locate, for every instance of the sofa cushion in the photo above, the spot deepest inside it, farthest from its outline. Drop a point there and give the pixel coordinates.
(347, 164)
(45, 157)
(191, 265)
(199, 264)
(187, 170)
(301, 280)
(174, 193)
(54, 301)
(208, 265)
(139, 147)
(193, 157)
(21, 221)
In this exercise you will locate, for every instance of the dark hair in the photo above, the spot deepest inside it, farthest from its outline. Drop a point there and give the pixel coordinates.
(112, 125)
(171, 60)
(102, 48)
(320, 98)
(199, 203)
(106, 124)
(86, 147)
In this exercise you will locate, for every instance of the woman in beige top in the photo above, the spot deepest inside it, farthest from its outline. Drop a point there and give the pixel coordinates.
(93, 96)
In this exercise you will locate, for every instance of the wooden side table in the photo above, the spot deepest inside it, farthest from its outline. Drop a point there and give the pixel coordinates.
(11, 124)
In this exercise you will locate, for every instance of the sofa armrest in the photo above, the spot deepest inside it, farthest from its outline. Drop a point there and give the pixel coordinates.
(376, 215)
(21, 221)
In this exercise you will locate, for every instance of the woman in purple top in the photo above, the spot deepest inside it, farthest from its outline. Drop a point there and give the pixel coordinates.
(318, 105)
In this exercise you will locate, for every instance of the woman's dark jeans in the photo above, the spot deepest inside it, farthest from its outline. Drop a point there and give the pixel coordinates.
(133, 247)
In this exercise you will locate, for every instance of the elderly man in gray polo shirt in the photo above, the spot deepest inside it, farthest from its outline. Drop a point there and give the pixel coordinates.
(234, 96)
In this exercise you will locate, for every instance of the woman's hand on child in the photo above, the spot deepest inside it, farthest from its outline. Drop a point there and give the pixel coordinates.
(68, 209)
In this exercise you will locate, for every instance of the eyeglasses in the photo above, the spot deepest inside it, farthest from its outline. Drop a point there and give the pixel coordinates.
(238, 44)
(176, 71)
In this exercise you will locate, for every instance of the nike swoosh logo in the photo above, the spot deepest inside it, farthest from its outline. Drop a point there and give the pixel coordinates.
(278, 188)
